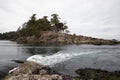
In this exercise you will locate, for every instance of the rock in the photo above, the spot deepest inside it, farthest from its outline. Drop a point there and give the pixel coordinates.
(27, 68)
(97, 74)
(33, 71)
(31, 38)
(43, 72)
(64, 38)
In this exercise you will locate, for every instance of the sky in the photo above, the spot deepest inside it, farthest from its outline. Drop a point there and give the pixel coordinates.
(95, 18)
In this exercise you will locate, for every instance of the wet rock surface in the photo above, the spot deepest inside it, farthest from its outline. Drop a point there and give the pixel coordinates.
(33, 71)
(97, 74)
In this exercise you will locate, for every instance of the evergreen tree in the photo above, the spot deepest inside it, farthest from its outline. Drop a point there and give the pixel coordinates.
(35, 26)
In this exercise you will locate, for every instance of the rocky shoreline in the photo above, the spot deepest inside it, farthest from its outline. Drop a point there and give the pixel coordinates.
(33, 71)
(48, 37)
(97, 74)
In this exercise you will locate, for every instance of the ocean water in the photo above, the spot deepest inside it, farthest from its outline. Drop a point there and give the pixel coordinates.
(62, 58)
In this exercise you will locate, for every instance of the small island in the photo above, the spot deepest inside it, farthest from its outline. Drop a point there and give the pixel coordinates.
(51, 31)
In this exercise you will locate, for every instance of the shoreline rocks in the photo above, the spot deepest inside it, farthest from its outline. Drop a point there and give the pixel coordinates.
(64, 38)
(33, 71)
(97, 74)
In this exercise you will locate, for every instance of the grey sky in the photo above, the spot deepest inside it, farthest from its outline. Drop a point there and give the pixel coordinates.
(96, 18)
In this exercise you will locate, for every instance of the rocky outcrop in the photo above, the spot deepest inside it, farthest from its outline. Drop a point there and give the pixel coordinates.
(64, 38)
(97, 74)
(33, 71)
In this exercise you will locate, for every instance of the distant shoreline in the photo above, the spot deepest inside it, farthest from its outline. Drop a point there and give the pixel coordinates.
(51, 37)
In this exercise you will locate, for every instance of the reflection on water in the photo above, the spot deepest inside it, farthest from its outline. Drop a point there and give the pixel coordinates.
(12, 53)
(43, 50)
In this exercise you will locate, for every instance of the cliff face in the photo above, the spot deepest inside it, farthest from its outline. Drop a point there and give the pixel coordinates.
(33, 71)
(53, 37)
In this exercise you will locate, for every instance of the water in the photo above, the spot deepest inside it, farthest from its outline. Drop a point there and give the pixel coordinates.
(11, 52)
(63, 58)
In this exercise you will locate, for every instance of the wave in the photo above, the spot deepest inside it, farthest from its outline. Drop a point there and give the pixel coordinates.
(55, 58)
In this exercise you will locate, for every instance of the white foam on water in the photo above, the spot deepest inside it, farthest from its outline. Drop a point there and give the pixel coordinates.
(55, 58)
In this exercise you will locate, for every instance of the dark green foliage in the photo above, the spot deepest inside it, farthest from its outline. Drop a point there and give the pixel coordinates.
(9, 35)
(35, 26)
(55, 19)
(56, 24)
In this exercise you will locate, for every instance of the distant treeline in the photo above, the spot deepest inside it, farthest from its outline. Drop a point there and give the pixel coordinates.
(9, 35)
(35, 26)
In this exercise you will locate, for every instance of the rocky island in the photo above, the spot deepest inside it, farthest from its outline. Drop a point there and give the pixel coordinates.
(53, 31)
(50, 31)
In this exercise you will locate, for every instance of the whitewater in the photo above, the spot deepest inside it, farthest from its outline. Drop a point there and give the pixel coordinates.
(55, 58)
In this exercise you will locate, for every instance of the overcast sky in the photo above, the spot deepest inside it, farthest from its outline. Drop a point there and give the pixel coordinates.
(96, 18)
